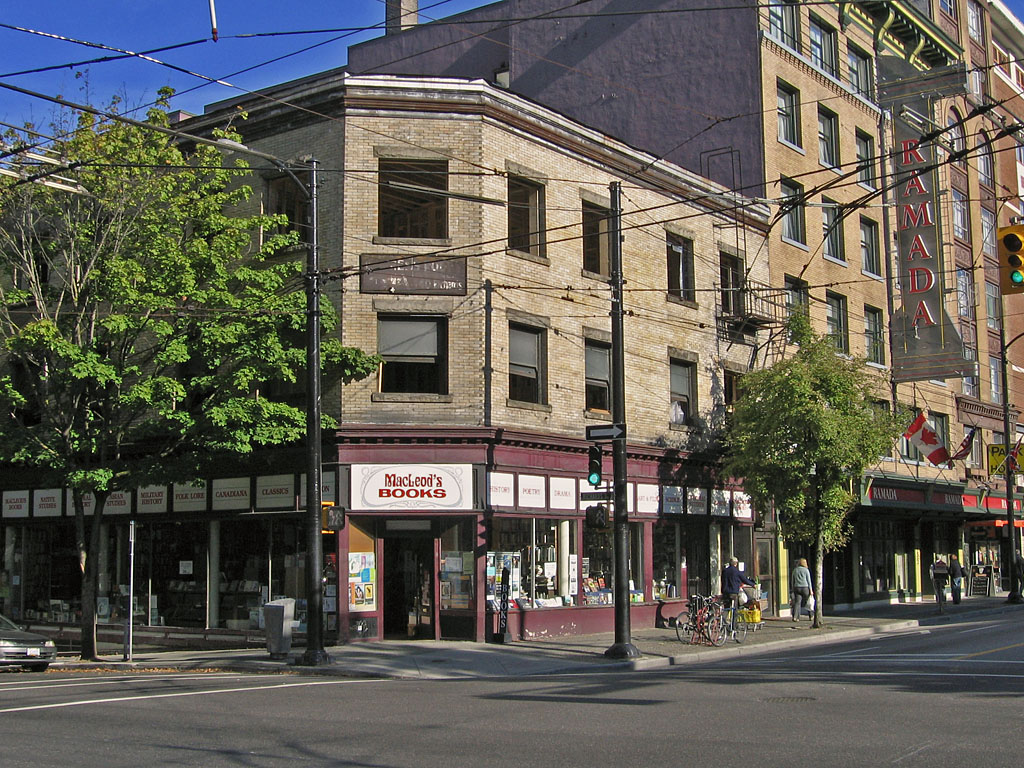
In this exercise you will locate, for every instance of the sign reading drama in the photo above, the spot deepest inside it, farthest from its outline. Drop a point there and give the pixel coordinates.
(412, 486)
(926, 344)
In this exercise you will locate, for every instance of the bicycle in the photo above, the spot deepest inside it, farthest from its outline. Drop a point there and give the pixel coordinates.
(703, 620)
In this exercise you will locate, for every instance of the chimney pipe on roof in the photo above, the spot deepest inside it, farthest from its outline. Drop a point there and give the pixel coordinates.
(401, 15)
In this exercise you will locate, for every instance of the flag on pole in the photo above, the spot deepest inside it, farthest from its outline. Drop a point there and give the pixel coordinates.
(923, 438)
(1014, 457)
(965, 447)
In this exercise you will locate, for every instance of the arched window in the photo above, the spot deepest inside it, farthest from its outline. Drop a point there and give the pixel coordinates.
(986, 168)
(955, 136)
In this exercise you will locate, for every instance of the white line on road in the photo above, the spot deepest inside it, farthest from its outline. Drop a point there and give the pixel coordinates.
(40, 685)
(180, 694)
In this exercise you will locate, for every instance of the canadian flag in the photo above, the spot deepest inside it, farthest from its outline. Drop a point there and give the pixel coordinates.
(926, 441)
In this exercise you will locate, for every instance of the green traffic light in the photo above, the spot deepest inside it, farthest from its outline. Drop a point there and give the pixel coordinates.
(594, 478)
(1017, 277)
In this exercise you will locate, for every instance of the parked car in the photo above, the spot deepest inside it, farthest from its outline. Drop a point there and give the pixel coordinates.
(28, 650)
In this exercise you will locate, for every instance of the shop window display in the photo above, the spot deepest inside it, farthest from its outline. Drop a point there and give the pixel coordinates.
(598, 565)
(458, 565)
(541, 557)
(669, 558)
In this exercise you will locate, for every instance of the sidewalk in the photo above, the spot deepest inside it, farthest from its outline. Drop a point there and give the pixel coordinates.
(440, 660)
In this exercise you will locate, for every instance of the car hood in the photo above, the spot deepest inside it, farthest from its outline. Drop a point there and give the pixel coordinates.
(19, 636)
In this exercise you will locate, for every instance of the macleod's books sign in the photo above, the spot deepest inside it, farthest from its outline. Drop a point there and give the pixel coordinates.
(412, 486)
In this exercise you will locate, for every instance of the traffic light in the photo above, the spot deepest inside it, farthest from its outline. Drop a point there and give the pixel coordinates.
(1011, 259)
(597, 516)
(594, 462)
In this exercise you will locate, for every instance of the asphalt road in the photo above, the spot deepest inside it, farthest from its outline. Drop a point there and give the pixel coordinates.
(947, 694)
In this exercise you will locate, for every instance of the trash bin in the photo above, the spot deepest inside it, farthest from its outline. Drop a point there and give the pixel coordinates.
(277, 618)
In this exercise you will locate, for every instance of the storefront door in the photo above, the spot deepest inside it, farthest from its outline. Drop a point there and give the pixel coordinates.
(408, 585)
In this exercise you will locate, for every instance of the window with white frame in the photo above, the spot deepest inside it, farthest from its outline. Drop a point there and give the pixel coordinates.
(797, 295)
(865, 159)
(948, 7)
(793, 217)
(955, 135)
(822, 39)
(859, 71)
(874, 335)
(975, 22)
(971, 386)
(870, 256)
(679, 255)
(965, 293)
(961, 223)
(598, 359)
(986, 168)
(992, 306)
(789, 114)
(783, 23)
(831, 231)
(828, 138)
(988, 233)
(995, 379)
(837, 321)
(527, 364)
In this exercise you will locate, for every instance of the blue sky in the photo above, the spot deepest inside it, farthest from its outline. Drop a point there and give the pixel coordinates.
(142, 25)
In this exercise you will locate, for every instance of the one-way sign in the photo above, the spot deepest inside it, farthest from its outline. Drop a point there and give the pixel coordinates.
(606, 431)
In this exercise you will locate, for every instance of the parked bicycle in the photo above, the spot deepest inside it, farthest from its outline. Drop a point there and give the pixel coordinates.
(702, 621)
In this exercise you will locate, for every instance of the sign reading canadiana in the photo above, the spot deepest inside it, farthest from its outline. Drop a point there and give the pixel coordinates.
(412, 486)
(925, 343)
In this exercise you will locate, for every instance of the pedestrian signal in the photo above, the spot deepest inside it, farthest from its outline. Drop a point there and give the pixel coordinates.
(597, 516)
(1011, 259)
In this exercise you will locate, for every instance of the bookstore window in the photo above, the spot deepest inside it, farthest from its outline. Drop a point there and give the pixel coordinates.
(597, 567)
(526, 216)
(679, 256)
(669, 559)
(527, 364)
(458, 564)
(598, 375)
(541, 556)
(412, 199)
(414, 350)
(596, 238)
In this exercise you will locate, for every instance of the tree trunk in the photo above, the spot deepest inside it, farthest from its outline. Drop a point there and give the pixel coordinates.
(819, 571)
(88, 569)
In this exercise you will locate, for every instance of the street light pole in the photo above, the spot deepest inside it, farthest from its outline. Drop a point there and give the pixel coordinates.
(1015, 587)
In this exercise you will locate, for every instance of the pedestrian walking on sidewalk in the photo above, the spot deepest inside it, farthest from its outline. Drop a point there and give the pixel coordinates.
(956, 578)
(801, 584)
(940, 574)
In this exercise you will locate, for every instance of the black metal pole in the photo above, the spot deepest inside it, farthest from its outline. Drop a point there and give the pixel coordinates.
(623, 648)
(1014, 596)
(315, 654)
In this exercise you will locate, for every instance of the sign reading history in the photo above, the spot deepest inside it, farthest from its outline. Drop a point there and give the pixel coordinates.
(422, 275)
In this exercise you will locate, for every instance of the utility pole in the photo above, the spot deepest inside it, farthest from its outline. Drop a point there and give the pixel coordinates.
(623, 648)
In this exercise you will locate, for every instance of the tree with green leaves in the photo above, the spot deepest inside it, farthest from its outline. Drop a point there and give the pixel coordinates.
(146, 322)
(802, 434)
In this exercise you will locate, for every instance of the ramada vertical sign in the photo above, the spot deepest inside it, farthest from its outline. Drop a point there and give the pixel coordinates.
(926, 344)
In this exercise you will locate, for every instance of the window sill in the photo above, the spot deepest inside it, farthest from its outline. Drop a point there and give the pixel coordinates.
(797, 243)
(527, 256)
(680, 427)
(834, 260)
(526, 405)
(439, 242)
(673, 299)
(595, 275)
(597, 415)
(872, 275)
(409, 397)
(794, 147)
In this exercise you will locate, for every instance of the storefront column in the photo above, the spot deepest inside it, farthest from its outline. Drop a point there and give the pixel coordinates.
(715, 555)
(103, 562)
(916, 585)
(213, 577)
(856, 587)
(782, 571)
(563, 558)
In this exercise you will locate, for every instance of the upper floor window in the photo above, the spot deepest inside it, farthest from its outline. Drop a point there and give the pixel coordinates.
(789, 114)
(413, 199)
(961, 223)
(831, 231)
(988, 233)
(955, 134)
(822, 45)
(414, 349)
(993, 308)
(525, 216)
(828, 138)
(975, 22)
(971, 384)
(965, 293)
(683, 386)
(793, 211)
(783, 23)
(284, 197)
(948, 7)
(598, 359)
(596, 238)
(680, 267)
(797, 295)
(731, 272)
(874, 335)
(986, 169)
(870, 256)
(859, 71)
(1019, 151)
(527, 366)
(995, 379)
(865, 159)
(1001, 59)
(837, 321)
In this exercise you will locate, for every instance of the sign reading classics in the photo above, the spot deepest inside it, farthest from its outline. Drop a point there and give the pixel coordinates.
(412, 486)
(925, 342)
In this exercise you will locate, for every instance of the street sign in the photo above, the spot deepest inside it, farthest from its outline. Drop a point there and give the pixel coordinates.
(597, 495)
(606, 431)
(996, 457)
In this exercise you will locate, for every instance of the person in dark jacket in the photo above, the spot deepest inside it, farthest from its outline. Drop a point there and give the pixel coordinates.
(733, 580)
(956, 578)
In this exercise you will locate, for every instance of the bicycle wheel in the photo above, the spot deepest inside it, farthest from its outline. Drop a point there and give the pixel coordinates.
(716, 627)
(741, 629)
(683, 629)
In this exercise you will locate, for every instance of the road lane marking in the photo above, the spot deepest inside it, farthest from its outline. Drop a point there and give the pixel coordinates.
(47, 685)
(180, 694)
(993, 650)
